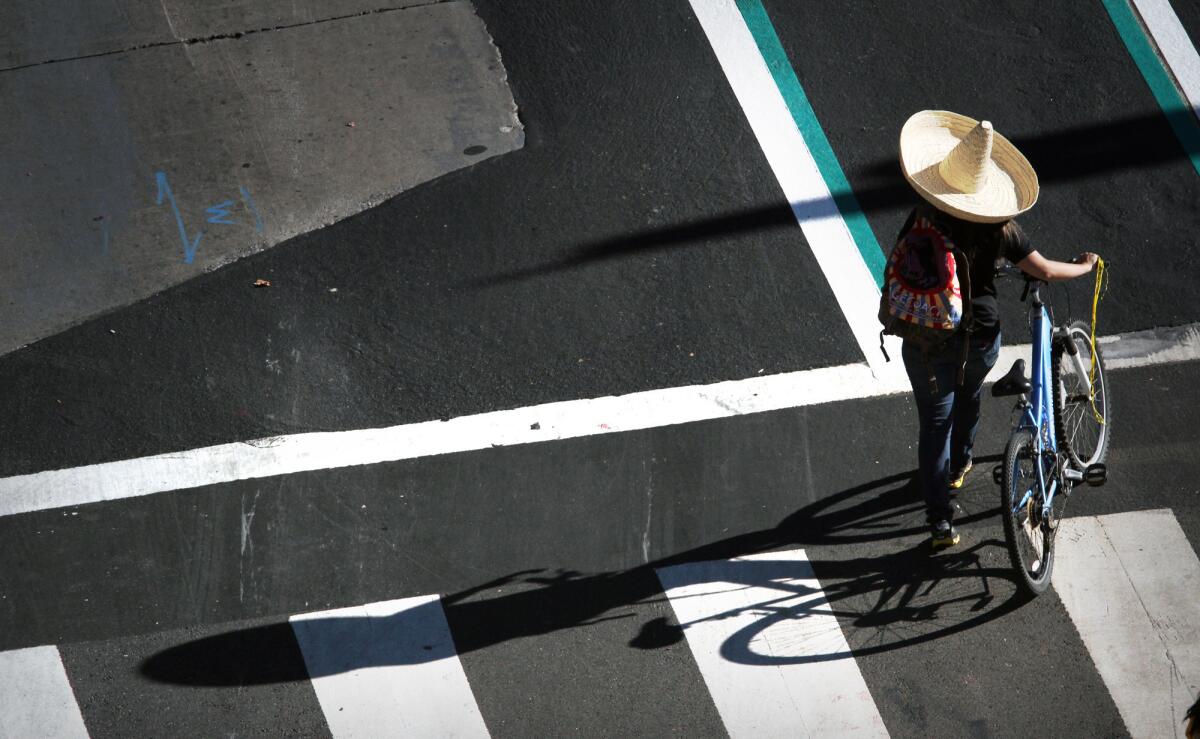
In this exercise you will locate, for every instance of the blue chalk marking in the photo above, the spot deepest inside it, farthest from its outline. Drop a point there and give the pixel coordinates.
(219, 213)
(249, 202)
(164, 189)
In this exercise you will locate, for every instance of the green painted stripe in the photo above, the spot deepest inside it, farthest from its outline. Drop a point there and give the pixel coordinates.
(772, 51)
(1179, 114)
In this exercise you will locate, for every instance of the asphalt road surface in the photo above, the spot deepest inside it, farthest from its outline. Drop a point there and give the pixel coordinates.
(662, 571)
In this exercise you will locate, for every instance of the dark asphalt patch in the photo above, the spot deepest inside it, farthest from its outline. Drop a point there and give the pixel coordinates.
(638, 241)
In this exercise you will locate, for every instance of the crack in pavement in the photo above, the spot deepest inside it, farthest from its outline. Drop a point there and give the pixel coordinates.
(221, 36)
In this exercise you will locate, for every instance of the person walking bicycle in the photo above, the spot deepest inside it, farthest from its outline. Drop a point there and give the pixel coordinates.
(939, 293)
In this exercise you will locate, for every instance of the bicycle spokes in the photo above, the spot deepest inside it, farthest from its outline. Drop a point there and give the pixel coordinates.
(1026, 523)
(1082, 405)
(1031, 527)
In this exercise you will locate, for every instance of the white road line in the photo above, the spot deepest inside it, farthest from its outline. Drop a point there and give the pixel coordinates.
(790, 159)
(1131, 582)
(36, 699)
(302, 452)
(1156, 346)
(761, 685)
(1173, 43)
(283, 455)
(388, 669)
(1123, 351)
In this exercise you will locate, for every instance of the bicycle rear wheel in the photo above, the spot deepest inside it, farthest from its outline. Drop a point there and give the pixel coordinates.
(1027, 533)
(1082, 408)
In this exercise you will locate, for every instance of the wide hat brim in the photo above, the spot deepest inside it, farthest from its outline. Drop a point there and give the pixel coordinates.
(1009, 188)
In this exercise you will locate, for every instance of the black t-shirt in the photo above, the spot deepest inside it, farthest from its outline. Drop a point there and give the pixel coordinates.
(986, 246)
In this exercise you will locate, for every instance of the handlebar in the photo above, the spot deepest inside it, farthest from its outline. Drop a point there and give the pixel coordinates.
(1011, 270)
(1032, 284)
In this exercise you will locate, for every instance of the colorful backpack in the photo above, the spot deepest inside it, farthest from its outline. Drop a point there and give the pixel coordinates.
(921, 301)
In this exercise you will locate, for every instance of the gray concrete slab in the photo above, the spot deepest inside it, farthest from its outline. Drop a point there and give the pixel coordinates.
(127, 173)
(41, 31)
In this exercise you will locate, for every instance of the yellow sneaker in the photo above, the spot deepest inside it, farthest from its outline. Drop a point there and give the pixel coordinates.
(942, 535)
(956, 482)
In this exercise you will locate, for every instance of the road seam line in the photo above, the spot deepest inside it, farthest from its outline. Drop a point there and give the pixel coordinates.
(228, 35)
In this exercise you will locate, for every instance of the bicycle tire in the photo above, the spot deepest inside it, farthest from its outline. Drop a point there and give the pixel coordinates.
(1028, 538)
(1084, 439)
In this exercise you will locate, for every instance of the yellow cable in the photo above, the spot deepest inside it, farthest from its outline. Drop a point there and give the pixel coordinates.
(1097, 294)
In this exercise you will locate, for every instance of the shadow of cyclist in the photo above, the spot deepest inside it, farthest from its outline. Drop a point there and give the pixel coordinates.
(882, 601)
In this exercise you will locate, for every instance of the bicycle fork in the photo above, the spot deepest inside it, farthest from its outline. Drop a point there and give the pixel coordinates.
(1063, 335)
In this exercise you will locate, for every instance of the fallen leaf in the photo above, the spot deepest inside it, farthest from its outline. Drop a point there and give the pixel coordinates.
(262, 283)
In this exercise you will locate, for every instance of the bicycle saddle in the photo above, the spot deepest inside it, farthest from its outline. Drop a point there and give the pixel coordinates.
(1013, 382)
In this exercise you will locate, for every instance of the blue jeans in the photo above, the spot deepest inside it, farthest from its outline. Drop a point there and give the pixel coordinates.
(949, 414)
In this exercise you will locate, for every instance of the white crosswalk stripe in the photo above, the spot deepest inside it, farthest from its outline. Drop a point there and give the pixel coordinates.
(1130, 582)
(36, 699)
(770, 608)
(389, 664)
(1173, 43)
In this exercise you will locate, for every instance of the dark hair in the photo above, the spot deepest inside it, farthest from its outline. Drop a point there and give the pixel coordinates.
(972, 237)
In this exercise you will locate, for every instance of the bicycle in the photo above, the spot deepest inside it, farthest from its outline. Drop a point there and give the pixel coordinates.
(1060, 436)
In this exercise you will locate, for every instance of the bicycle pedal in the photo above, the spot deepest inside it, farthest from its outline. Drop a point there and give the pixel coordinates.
(998, 474)
(1095, 474)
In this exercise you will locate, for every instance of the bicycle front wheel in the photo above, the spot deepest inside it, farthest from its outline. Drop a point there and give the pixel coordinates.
(1082, 407)
(1027, 532)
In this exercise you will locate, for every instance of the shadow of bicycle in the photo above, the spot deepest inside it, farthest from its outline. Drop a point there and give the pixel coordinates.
(888, 598)
(894, 593)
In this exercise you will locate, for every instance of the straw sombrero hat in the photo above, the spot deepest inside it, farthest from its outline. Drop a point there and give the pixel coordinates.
(964, 168)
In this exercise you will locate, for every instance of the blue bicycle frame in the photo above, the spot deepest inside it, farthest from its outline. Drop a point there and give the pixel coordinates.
(1032, 502)
(1038, 413)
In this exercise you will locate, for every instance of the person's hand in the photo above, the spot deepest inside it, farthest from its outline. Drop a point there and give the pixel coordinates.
(1087, 258)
